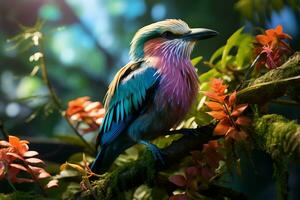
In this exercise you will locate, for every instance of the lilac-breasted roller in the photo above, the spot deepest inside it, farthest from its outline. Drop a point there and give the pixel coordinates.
(153, 92)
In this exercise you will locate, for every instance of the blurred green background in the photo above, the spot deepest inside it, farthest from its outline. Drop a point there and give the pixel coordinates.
(87, 41)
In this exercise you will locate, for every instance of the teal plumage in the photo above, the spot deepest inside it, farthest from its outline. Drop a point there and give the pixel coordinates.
(152, 93)
(129, 94)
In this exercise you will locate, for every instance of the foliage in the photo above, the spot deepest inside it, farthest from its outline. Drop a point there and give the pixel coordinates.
(221, 105)
(201, 174)
(234, 56)
(257, 11)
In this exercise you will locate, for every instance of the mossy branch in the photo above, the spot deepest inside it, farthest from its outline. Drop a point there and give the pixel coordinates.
(273, 84)
(145, 169)
(280, 138)
(277, 136)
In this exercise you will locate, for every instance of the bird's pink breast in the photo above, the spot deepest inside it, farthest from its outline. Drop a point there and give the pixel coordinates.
(178, 88)
(178, 85)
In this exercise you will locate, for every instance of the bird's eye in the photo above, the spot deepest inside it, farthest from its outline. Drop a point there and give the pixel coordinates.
(168, 35)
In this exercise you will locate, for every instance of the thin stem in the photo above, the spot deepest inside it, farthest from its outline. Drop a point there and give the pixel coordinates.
(229, 115)
(252, 66)
(45, 77)
(57, 102)
(11, 185)
(249, 70)
(3, 130)
(36, 180)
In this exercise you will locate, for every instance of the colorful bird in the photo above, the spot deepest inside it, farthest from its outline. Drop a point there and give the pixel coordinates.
(153, 92)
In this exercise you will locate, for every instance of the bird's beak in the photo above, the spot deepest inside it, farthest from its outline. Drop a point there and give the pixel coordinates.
(199, 34)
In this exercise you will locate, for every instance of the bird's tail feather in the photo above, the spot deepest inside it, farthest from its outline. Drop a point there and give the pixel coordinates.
(98, 165)
(107, 155)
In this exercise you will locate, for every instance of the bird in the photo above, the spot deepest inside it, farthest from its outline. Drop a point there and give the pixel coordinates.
(152, 93)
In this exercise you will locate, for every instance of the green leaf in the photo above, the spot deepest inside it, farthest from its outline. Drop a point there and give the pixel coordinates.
(207, 76)
(196, 60)
(231, 42)
(244, 51)
(216, 54)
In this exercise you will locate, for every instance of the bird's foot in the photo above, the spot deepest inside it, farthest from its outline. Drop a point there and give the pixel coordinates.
(156, 152)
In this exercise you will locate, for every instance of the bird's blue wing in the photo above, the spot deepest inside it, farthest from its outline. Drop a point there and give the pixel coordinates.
(126, 96)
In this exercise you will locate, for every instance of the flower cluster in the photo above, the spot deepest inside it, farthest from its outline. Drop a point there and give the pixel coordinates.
(272, 47)
(224, 109)
(82, 111)
(16, 157)
(202, 173)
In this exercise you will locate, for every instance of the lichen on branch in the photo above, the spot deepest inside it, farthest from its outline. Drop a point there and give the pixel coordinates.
(273, 84)
(277, 136)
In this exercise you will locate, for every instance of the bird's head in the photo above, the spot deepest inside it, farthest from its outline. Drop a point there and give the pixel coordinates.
(168, 36)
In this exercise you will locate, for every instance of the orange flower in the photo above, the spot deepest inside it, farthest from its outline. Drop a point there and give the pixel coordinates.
(82, 110)
(218, 90)
(218, 87)
(273, 47)
(272, 36)
(20, 146)
(18, 150)
(224, 109)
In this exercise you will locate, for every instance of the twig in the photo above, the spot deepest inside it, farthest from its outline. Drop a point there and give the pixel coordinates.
(3, 130)
(36, 180)
(11, 185)
(57, 102)
(285, 102)
(248, 72)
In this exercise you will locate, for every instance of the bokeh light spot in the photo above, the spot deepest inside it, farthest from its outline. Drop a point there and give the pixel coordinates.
(12, 109)
(158, 11)
(50, 12)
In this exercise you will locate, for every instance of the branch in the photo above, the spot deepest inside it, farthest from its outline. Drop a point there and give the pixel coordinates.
(145, 168)
(269, 86)
(273, 84)
(280, 138)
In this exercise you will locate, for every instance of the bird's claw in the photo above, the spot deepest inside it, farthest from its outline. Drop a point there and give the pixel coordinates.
(156, 152)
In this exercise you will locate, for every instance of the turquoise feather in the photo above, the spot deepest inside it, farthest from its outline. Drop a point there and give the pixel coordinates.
(131, 90)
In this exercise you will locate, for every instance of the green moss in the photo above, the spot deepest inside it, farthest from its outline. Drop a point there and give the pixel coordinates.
(21, 196)
(276, 135)
(280, 138)
(273, 84)
(109, 187)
